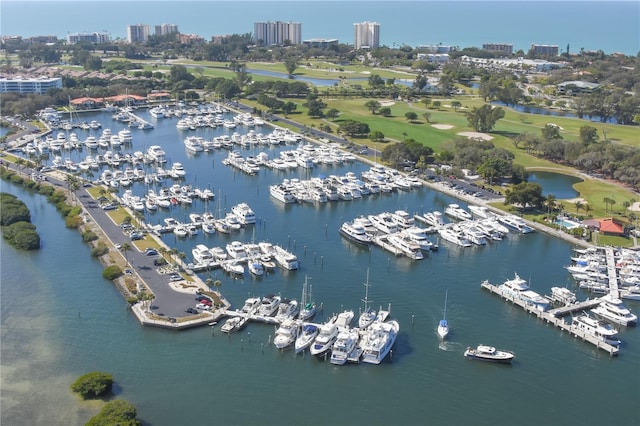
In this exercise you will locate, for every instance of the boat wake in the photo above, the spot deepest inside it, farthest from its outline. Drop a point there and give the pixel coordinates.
(449, 346)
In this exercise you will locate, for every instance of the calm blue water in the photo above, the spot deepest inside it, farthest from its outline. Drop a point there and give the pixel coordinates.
(60, 319)
(455, 23)
(555, 183)
(544, 111)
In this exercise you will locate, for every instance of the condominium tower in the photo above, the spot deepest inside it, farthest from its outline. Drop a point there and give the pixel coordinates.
(367, 35)
(277, 33)
(138, 33)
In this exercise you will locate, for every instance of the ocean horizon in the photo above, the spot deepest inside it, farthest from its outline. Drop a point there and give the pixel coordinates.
(574, 24)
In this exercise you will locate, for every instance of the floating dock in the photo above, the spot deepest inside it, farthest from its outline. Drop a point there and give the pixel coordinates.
(554, 317)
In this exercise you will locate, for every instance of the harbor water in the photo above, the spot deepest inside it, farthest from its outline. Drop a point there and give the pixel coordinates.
(60, 319)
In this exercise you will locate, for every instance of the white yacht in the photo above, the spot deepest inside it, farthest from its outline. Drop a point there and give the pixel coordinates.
(455, 237)
(403, 219)
(384, 223)
(157, 154)
(236, 250)
(407, 246)
(243, 212)
(344, 345)
(367, 315)
(419, 236)
(251, 305)
(433, 218)
(481, 212)
(378, 341)
(443, 325)
(285, 259)
(282, 194)
(286, 334)
(516, 223)
(177, 171)
(287, 309)
(202, 254)
(255, 267)
(614, 310)
(355, 232)
(518, 288)
(269, 305)
(563, 296)
(194, 143)
(457, 212)
(325, 339)
(596, 328)
(306, 337)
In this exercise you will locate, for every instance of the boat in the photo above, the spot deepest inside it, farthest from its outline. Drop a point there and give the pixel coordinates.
(384, 223)
(236, 250)
(287, 309)
(286, 334)
(285, 259)
(597, 328)
(251, 305)
(563, 295)
(367, 315)
(306, 337)
(419, 236)
(157, 154)
(377, 342)
(443, 325)
(255, 267)
(344, 345)
(518, 288)
(233, 324)
(516, 223)
(433, 218)
(243, 212)
(307, 305)
(613, 309)
(355, 232)
(489, 353)
(325, 339)
(457, 212)
(194, 143)
(202, 254)
(407, 246)
(454, 237)
(177, 171)
(343, 321)
(269, 305)
(282, 194)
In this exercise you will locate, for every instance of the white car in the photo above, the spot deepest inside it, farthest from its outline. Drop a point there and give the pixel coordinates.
(203, 306)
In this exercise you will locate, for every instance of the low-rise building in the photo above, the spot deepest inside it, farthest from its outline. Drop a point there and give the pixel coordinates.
(39, 85)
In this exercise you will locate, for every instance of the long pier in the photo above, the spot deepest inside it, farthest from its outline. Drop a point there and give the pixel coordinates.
(611, 271)
(554, 317)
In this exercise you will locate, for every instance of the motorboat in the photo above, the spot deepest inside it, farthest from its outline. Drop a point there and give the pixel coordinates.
(613, 309)
(233, 324)
(306, 337)
(243, 212)
(285, 259)
(378, 340)
(232, 267)
(325, 339)
(343, 321)
(177, 171)
(282, 194)
(563, 296)
(457, 212)
(454, 237)
(269, 305)
(255, 267)
(194, 143)
(384, 223)
(236, 250)
(597, 328)
(433, 218)
(219, 253)
(518, 288)
(344, 345)
(287, 309)
(516, 223)
(202, 254)
(251, 305)
(419, 236)
(355, 232)
(157, 154)
(489, 353)
(286, 334)
(407, 246)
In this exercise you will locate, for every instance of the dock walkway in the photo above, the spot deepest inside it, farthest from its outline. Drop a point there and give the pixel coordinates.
(553, 318)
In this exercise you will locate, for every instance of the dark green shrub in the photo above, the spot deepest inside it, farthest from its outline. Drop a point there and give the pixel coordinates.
(93, 385)
(89, 236)
(17, 179)
(118, 412)
(73, 222)
(100, 250)
(26, 240)
(112, 272)
(13, 210)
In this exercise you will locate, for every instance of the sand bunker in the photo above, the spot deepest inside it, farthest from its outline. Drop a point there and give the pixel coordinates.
(476, 135)
(386, 103)
(442, 126)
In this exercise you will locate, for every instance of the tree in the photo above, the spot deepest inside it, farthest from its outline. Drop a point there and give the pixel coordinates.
(385, 111)
(494, 167)
(376, 135)
(579, 204)
(550, 202)
(411, 116)
(455, 105)
(551, 132)
(332, 114)
(483, 119)
(373, 105)
(289, 107)
(588, 135)
(427, 116)
(124, 248)
(290, 65)
(607, 201)
(525, 194)
(437, 104)
(93, 385)
(375, 81)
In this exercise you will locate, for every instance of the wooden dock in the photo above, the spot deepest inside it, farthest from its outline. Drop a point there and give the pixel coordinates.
(611, 272)
(554, 317)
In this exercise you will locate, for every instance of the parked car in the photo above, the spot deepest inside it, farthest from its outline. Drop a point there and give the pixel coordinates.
(151, 252)
(159, 262)
(203, 306)
(191, 311)
(109, 207)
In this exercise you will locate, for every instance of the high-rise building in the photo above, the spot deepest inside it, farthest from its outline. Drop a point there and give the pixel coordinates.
(277, 33)
(367, 35)
(504, 48)
(138, 33)
(165, 29)
(544, 49)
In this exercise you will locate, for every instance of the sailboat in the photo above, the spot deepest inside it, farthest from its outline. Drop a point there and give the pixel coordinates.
(308, 309)
(443, 326)
(367, 316)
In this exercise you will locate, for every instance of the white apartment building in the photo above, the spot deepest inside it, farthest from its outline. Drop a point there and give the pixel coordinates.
(277, 33)
(138, 33)
(165, 29)
(367, 35)
(29, 85)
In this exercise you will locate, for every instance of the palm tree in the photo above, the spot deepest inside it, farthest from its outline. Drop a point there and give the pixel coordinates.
(579, 204)
(550, 201)
(209, 282)
(125, 248)
(217, 284)
(606, 201)
(587, 208)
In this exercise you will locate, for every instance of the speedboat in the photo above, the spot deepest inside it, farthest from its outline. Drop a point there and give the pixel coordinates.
(233, 324)
(378, 340)
(597, 328)
(489, 353)
(614, 310)
(563, 296)
(327, 335)
(457, 212)
(286, 334)
(306, 337)
(251, 305)
(287, 309)
(345, 343)
(344, 319)
(255, 267)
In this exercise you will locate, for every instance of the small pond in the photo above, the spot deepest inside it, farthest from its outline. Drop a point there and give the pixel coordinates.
(555, 183)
